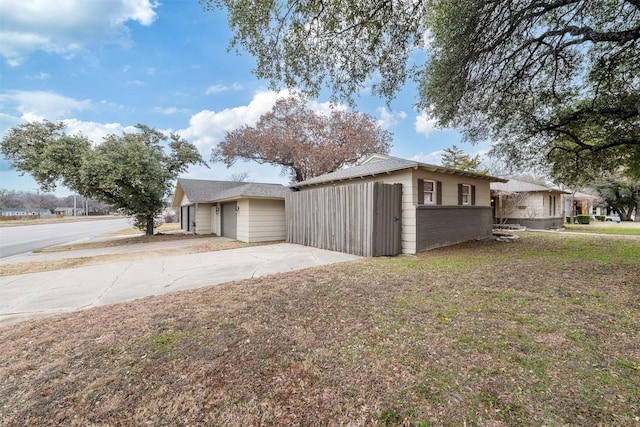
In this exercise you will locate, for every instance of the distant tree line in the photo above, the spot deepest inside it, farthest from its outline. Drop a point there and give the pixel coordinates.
(12, 199)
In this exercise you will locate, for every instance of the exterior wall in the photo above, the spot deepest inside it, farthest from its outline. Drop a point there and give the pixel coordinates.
(203, 218)
(409, 200)
(447, 225)
(537, 223)
(265, 221)
(450, 187)
(243, 218)
(361, 219)
(532, 211)
(216, 220)
(409, 180)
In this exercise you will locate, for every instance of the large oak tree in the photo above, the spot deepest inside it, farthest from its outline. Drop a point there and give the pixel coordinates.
(543, 79)
(304, 142)
(133, 172)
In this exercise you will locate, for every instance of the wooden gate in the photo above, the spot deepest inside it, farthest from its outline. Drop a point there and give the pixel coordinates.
(361, 219)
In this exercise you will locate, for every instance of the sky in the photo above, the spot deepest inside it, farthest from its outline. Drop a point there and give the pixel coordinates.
(103, 66)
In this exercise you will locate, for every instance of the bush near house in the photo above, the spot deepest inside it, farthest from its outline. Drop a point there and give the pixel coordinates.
(579, 219)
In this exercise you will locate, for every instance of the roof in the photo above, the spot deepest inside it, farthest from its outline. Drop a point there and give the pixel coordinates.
(515, 186)
(380, 164)
(202, 190)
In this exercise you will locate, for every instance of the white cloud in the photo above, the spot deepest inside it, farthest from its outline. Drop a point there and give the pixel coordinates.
(39, 76)
(7, 122)
(326, 108)
(424, 124)
(95, 131)
(207, 128)
(215, 89)
(171, 110)
(39, 105)
(388, 119)
(65, 27)
(434, 158)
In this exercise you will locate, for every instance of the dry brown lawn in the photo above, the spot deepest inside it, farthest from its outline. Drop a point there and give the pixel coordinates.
(544, 331)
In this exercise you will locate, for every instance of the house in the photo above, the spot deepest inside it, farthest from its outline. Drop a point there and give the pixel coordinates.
(580, 203)
(422, 207)
(25, 212)
(527, 204)
(17, 212)
(249, 212)
(68, 211)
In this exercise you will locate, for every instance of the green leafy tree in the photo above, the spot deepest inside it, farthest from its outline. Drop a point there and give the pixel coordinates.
(537, 78)
(47, 153)
(622, 195)
(306, 144)
(132, 172)
(455, 158)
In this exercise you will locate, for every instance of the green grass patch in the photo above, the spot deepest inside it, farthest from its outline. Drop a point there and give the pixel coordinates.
(623, 228)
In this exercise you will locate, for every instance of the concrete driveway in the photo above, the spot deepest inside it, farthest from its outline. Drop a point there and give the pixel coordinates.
(43, 294)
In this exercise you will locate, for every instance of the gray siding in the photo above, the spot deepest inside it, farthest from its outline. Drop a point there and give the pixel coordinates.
(229, 220)
(446, 225)
(537, 223)
(361, 219)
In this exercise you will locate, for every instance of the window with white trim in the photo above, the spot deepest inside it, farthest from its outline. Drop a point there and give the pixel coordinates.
(429, 191)
(466, 194)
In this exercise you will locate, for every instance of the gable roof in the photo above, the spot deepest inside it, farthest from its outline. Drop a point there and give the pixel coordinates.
(515, 186)
(380, 164)
(207, 191)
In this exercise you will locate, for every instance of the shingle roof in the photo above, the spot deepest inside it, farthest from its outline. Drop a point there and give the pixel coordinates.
(255, 189)
(519, 186)
(201, 190)
(381, 164)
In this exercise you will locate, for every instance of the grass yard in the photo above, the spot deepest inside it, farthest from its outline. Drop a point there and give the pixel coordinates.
(623, 228)
(543, 332)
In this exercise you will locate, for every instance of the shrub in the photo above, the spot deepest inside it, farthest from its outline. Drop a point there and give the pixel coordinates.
(600, 217)
(580, 219)
(583, 219)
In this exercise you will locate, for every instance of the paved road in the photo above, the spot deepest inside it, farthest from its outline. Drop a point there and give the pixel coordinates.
(21, 239)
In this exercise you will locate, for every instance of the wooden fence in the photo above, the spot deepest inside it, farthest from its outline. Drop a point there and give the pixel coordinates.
(361, 219)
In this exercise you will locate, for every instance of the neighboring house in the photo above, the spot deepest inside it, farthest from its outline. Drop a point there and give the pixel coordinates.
(529, 205)
(436, 206)
(17, 212)
(245, 211)
(583, 204)
(25, 212)
(68, 211)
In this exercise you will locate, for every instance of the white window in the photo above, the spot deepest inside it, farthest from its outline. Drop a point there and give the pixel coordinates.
(429, 191)
(466, 194)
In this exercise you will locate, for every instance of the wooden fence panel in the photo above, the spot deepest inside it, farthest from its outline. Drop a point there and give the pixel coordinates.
(387, 230)
(361, 219)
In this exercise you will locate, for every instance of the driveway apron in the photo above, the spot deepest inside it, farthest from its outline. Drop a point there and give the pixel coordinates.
(47, 293)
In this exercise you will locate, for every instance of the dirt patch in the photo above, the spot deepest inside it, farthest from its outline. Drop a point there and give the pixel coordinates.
(544, 331)
(192, 244)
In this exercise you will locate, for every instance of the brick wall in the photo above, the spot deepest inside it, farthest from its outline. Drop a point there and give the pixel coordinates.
(446, 225)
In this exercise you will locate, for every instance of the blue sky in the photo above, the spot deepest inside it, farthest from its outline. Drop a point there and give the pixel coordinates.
(102, 66)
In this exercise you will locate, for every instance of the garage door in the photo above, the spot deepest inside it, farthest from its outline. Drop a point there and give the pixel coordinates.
(229, 220)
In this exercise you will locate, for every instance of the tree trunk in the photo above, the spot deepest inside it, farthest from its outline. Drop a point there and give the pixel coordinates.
(149, 225)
